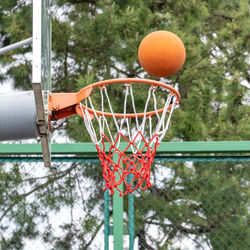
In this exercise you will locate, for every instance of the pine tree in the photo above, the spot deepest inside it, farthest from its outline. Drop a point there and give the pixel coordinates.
(95, 40)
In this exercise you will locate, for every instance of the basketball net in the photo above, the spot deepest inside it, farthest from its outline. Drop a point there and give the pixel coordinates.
(129, 162)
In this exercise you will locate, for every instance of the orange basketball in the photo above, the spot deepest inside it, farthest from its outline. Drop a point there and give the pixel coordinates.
(161, 53)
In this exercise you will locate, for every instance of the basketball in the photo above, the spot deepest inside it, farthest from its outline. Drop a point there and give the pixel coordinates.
(161, 53)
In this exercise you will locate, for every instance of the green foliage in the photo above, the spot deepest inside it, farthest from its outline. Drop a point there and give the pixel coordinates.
(207, 198)
(96, 40)
(14, 28)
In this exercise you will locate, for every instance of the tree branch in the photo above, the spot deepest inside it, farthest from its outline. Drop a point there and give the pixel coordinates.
(82, 1)
(94, 235)
(22, 196)
(223, 16)
(201, 229)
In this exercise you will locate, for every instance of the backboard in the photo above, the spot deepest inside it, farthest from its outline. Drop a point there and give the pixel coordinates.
(41, 70)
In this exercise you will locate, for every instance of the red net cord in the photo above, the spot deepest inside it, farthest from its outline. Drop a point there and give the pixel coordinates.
(117, 165)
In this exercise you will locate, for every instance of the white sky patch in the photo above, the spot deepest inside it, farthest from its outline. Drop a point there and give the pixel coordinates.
(6, 87)
(62, 13)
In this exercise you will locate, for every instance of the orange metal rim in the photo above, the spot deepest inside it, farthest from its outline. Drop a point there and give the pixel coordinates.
(120, 115)
(129, 80)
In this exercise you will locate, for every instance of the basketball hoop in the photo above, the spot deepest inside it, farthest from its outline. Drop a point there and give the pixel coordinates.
(107, 128)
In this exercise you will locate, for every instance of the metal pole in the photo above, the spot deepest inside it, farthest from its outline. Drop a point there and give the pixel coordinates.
(16, 45)
(131, 226)
(118, 216)
(106, 219)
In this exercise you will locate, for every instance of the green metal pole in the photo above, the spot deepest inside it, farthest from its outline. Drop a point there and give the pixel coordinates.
(106, 219)
(131, 226)
(118, 215)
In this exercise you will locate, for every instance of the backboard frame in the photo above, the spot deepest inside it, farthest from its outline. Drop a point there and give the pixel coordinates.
(41, 71)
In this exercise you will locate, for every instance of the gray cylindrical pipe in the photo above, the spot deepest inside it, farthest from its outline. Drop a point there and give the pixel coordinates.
(18, 118)
(16, 45)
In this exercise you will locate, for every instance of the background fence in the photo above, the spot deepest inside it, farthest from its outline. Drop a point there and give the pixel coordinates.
(191, 205)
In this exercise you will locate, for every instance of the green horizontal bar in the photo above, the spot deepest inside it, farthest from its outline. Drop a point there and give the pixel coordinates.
(205, 147)
(156, 159)
(74, 148)
(165, 147)
(63, 148)
(20, 149)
